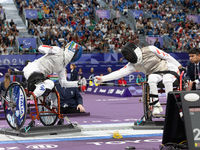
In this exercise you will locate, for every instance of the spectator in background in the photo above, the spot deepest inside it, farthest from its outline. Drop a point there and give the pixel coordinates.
(15, 30)
(172, 48)
(110, 4)
(39, 14)
(5, 52)
(2, 46)
(11, 23)
(4, 85)
(80, 71)
(125, 11)
(82, 82)
(117, 15)
(139, 80)
(102, 83)
(31, 27)
(121, 60)
(165, 48)
(157, 43)
(122, 82)
(11, 38)
(12, 53)
(21, 49)
(140, 27)
(105, 46)
(91, 26)
(91, 70)
(6, 40)
(9, 71)
(74, 73)
(109, 70)
(2, 16)
(32, 50)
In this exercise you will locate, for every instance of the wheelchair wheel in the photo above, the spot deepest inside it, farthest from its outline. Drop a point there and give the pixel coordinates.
(15, 107)
(49, 118)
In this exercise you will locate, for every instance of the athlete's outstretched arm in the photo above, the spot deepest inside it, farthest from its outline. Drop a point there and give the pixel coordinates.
(126, 70)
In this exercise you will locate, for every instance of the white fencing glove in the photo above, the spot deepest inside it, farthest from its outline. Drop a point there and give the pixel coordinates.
(98, 79)
(1, 74)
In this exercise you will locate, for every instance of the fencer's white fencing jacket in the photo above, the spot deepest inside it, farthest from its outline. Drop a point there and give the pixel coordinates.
(151, 59)
(54, 61)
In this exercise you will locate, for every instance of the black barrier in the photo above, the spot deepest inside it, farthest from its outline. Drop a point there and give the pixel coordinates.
(182, 120)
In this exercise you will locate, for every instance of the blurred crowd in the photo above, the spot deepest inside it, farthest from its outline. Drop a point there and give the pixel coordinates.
(74, 20)
(8, 31)
(61, 21)
(170, 19)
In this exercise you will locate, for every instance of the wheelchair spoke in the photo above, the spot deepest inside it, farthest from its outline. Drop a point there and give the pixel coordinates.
(15, 106)
(50, 118)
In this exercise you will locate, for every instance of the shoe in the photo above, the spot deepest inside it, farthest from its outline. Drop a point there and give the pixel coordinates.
(157, 109)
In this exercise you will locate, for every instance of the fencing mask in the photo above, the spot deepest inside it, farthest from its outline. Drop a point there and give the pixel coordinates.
(131, 52)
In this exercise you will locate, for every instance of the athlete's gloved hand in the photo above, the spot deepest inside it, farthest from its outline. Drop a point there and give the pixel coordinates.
(1, 74)
(182, 69)
(98, 79)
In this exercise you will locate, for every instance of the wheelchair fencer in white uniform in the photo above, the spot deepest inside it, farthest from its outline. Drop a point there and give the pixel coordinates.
(148, 60)
(54, 61)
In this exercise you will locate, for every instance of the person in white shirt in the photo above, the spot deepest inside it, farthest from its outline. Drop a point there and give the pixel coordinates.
(69, 28)
(104, 29)
(5, 52)
(87, 21)
(125, 11)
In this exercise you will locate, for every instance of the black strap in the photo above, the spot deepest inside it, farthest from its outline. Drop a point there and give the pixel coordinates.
(153, 103)
(153, 95)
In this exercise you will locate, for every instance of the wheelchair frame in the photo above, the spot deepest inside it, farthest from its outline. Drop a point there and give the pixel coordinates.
(146, 121)
(16, 107)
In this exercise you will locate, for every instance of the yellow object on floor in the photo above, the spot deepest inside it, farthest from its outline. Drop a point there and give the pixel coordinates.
(116, 135)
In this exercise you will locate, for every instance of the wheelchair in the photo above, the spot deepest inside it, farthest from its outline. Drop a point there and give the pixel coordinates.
(178, 85)
(18, 102)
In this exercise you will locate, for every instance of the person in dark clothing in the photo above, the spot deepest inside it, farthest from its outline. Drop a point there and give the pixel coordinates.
(71, 100)
(192, 74)
(157, 43)
(74, 73)
(11, 23)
